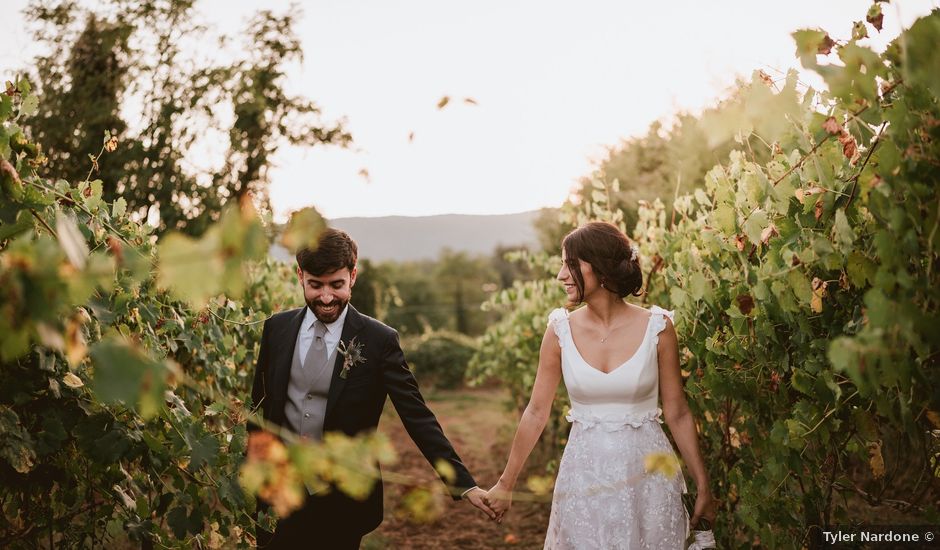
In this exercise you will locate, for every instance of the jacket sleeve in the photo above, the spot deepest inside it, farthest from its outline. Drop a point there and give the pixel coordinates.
(258, 386)
(418, 420)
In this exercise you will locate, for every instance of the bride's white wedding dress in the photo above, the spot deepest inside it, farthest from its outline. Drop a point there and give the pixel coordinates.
(603, 497)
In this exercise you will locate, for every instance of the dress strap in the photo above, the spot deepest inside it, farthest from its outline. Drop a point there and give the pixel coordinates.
(658, 320)
(558, 320)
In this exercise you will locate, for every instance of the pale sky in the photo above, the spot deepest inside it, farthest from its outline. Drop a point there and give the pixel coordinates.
(555, 83)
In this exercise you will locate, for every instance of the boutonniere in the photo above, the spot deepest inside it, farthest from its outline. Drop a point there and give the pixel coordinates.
(352, 356)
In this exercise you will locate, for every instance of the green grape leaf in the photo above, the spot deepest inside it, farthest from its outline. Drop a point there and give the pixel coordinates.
(16, 445)
(303, 230)
(124, 373)
(755, 225)
(71, 239)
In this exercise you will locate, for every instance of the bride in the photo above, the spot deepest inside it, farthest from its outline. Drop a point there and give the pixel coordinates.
(617, 360)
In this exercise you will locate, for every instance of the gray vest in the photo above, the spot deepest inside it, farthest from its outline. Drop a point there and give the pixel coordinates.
(307, 392)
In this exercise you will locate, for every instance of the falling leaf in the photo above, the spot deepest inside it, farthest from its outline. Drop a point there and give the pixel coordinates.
(72, 381)
(819, 209)
(875, 16)
(745, 303)
(422, 505)
(540, 485)
(303, 230)
(832, 126)
(445, 470)
(411, 137)
(443, 102)
(663, 463)
(364, 174)
(470, 101)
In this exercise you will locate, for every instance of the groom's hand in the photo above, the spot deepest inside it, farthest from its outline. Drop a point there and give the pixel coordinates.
(475, 496)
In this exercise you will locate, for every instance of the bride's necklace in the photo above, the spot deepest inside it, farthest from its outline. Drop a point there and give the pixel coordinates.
(609, 332)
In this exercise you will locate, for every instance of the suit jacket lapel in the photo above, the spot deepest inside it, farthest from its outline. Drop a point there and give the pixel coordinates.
(351, 328)
(286, 341)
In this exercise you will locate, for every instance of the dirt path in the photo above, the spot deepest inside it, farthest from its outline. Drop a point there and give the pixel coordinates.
(480, 428)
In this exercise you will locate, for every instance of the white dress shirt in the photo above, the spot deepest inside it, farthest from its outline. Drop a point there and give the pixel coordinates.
(334, 331)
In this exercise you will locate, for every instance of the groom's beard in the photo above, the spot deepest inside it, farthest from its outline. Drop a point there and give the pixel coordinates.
(325, 314)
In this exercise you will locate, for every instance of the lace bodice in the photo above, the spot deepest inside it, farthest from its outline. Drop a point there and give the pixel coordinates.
(627, 395)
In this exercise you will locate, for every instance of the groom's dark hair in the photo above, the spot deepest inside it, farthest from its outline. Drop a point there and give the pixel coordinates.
(335, 250)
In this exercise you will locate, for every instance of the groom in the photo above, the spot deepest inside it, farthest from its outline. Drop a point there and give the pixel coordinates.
(300, 385)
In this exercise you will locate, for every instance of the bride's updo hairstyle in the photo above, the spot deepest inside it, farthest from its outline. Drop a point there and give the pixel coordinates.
(610, 254)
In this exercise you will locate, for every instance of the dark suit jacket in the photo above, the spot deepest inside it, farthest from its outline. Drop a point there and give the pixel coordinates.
(354, 404)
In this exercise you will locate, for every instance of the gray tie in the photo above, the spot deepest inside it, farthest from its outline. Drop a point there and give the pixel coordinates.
(316, 355)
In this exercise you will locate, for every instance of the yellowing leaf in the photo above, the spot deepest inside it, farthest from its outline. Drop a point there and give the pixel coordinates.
(876, 460)
(819, 292)
(445, 470)
(422, 506)
(540, 485)
(303, 230)
(662, 463)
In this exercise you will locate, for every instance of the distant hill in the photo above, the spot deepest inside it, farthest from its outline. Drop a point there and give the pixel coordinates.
(423, 237)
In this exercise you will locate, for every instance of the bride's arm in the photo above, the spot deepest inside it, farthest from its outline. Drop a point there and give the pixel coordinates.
(680, 421)
(532, 423)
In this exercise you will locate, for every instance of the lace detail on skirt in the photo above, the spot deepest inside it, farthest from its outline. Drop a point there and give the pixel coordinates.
(605, 499)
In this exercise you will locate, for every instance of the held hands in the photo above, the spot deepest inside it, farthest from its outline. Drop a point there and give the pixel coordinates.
(499, 499)
(477, 497)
